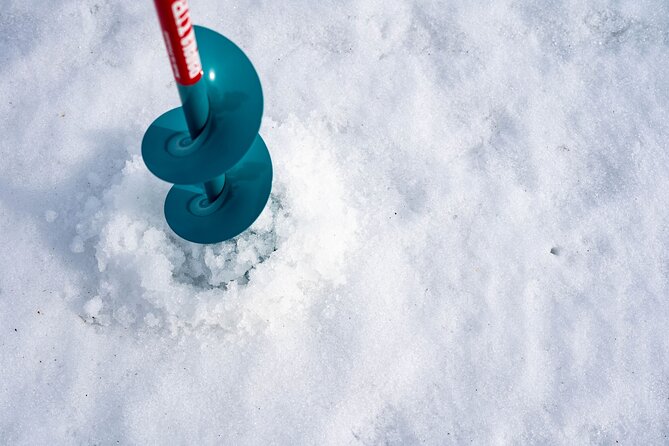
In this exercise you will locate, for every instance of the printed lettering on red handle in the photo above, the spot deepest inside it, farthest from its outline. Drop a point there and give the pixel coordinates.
(179, 38)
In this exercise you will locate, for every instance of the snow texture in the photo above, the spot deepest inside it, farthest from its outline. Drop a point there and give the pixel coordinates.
(467, 240)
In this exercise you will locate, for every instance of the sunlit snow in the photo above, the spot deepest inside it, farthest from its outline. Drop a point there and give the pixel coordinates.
(467, 240)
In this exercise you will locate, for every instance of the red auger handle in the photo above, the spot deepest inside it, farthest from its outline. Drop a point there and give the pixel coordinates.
(179, 36)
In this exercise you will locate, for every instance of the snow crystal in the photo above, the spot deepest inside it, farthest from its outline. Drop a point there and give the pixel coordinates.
(93, 306)
(50, 216)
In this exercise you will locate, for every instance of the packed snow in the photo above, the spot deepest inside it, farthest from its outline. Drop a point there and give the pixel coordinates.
(467, 240)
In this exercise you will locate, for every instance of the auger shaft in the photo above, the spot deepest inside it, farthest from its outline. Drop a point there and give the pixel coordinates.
(195, 104)
(175, 21)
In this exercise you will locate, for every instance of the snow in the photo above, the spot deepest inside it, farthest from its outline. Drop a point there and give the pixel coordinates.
(467, 240)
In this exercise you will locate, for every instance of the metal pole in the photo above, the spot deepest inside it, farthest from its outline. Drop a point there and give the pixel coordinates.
(179, 35)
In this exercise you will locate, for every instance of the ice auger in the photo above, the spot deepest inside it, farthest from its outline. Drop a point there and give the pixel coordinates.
(209, 148)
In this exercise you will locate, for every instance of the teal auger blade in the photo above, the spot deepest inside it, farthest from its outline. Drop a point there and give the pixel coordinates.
(223, 176)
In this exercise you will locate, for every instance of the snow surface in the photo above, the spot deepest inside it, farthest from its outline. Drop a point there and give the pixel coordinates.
(467, 241)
